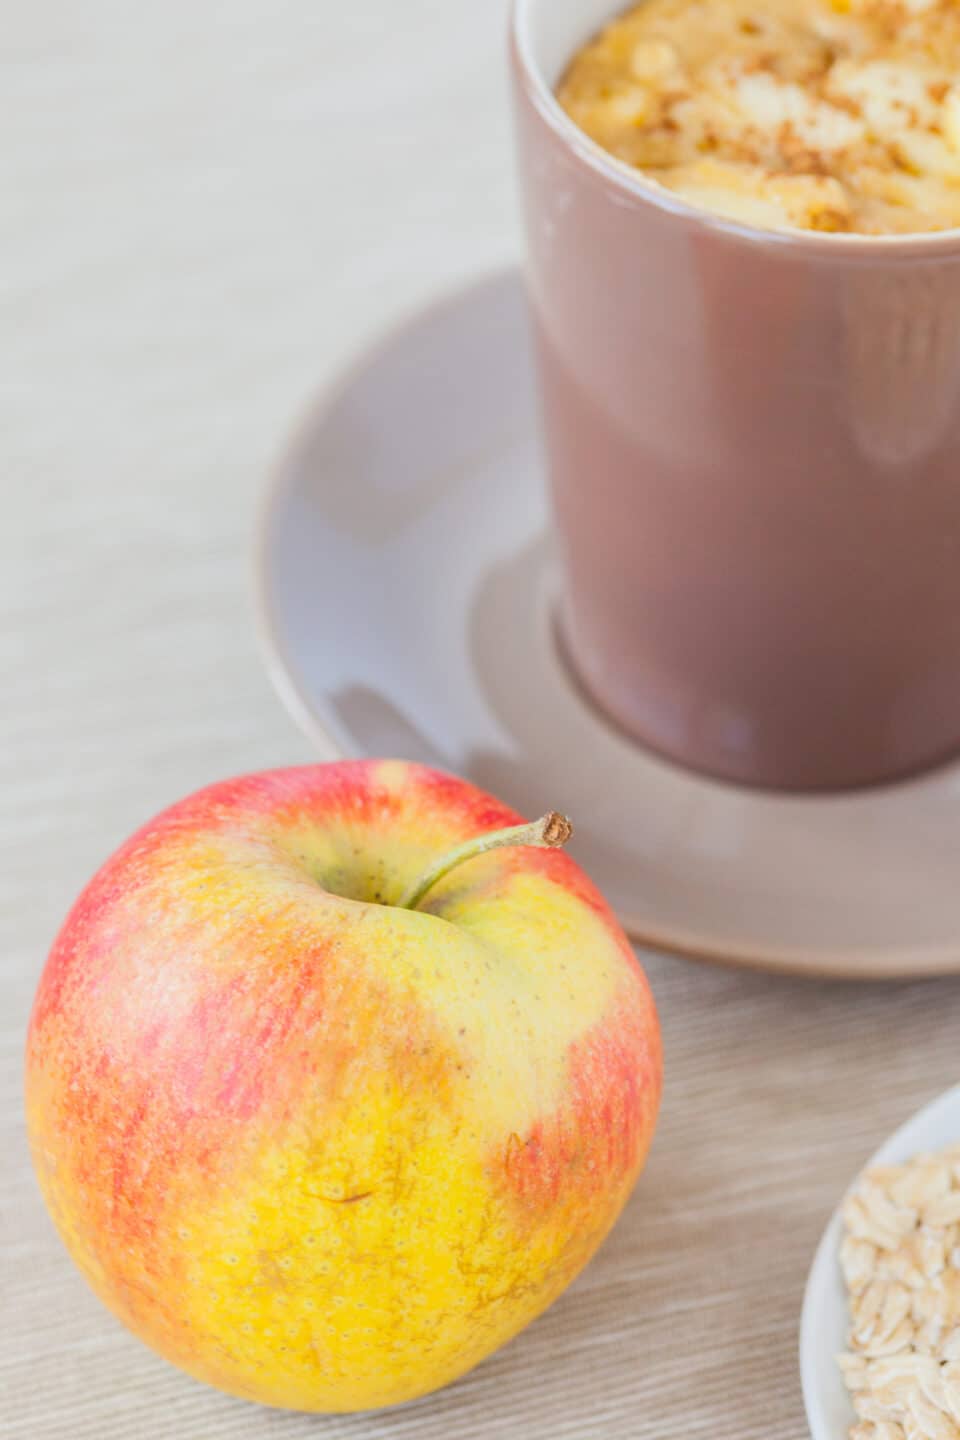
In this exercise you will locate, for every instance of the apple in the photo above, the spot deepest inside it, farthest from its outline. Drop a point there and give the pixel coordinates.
(330, 1093)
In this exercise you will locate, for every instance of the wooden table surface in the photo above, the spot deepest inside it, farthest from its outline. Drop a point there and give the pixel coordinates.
(208, 208)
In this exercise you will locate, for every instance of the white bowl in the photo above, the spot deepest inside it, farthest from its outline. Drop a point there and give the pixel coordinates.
(823, 1326)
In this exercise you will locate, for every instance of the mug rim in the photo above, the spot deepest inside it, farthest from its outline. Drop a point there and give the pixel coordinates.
(638, 186)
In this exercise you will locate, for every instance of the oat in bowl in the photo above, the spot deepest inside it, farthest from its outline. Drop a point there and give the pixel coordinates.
(880, 1335)
(901, 1262)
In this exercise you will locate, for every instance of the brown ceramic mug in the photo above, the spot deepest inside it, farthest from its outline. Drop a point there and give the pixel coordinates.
(754, 448)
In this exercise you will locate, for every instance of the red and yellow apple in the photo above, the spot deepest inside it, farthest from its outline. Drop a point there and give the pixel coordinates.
(318, 1149)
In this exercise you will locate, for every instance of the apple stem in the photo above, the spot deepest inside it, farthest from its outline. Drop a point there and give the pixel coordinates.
(550, 833)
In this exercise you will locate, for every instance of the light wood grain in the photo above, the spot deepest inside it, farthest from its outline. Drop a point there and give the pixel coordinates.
(207, 208)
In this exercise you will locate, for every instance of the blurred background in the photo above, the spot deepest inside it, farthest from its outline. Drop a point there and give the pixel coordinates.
(207, 209)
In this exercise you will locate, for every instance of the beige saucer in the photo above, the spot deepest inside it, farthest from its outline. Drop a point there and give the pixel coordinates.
(407, 590)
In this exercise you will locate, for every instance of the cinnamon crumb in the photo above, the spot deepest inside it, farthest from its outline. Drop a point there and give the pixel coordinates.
(759, 62)
(831, 221)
